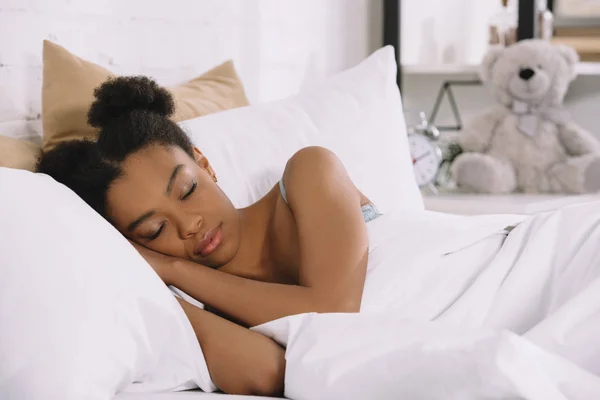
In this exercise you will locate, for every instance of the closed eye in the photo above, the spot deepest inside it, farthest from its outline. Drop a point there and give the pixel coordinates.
(192, 189)
(156, 234)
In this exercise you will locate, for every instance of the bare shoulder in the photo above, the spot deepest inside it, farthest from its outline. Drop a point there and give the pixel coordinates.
(311, 159)
(316, 172)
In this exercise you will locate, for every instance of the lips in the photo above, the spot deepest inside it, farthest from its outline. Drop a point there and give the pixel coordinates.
(210, 242)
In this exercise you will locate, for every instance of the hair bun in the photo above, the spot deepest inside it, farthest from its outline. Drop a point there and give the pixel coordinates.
(122, 95)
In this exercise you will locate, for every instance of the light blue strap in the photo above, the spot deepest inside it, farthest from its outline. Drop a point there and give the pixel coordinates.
(369, 211)
(282, 190)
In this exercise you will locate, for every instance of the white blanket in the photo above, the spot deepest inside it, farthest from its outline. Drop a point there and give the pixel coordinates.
(457, 308)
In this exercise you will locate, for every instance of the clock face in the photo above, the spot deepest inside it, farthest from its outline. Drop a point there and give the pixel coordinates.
(425, 158)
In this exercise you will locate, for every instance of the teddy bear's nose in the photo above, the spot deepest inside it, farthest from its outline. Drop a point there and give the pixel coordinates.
(526, 73)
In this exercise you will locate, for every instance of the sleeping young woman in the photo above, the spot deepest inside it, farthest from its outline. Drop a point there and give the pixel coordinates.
(302, 248)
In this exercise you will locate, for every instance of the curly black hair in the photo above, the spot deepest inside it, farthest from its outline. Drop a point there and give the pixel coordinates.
(131, 114)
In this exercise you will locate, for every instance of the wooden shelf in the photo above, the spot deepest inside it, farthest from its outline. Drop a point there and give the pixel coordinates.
(583, 69)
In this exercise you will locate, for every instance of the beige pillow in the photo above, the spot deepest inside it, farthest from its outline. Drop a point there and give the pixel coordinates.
(20, 154)
(69, 83)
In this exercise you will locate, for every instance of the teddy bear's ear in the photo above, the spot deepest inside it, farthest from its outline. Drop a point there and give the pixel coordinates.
(570, 56)
(489, 60)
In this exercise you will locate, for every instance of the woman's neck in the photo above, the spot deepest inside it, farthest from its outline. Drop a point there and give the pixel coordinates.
(253, 258)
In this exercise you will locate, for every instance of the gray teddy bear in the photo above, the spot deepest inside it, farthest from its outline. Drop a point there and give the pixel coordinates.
(527, 142)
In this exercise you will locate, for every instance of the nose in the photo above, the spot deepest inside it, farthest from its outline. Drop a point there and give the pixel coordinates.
(526, 73)
(189, 227)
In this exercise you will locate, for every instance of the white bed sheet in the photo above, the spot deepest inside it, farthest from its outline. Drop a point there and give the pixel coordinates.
(438, 323)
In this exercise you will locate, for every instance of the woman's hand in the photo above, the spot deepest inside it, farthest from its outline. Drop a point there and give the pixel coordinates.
(163, 265)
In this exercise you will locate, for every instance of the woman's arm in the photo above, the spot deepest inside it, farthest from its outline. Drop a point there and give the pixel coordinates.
(333, 251)
(240, 361)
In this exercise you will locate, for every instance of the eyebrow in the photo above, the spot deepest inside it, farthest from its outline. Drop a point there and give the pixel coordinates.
(138, 221)
(172, 178)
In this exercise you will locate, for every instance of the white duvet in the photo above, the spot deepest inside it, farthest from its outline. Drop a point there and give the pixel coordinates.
(457, 308)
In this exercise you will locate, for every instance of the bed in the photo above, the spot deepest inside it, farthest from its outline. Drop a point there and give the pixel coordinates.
(486, 312)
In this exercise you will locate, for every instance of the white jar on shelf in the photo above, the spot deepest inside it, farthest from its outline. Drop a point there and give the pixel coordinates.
(503, 25)
(545, 21)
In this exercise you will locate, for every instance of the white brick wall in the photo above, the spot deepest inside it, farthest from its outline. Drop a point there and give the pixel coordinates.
(274, 43)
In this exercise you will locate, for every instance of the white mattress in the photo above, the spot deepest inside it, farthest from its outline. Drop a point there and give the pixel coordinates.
(189, 395)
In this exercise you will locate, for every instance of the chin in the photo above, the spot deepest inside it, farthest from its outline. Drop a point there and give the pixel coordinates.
(209, 261)
(219, 258)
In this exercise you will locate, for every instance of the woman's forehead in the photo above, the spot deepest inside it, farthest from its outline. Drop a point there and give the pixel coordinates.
(153, 156)
(153, 162)
(145, 175)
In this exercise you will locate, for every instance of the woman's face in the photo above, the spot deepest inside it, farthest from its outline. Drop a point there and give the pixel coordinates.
(169, 202)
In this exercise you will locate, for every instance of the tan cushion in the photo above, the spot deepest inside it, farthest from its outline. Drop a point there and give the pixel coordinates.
(20, 154)
(69, 83)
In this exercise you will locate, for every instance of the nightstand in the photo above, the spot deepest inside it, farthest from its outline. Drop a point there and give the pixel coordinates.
(474, 204)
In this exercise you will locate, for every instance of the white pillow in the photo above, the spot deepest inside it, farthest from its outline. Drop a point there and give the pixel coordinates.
(357, 114)
(82, 315)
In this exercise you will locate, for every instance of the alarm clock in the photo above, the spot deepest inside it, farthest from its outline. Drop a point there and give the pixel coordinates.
(425, 153)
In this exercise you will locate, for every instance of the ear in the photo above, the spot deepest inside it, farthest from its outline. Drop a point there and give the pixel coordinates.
(489, 60)
(202, 161)
(570, 56)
